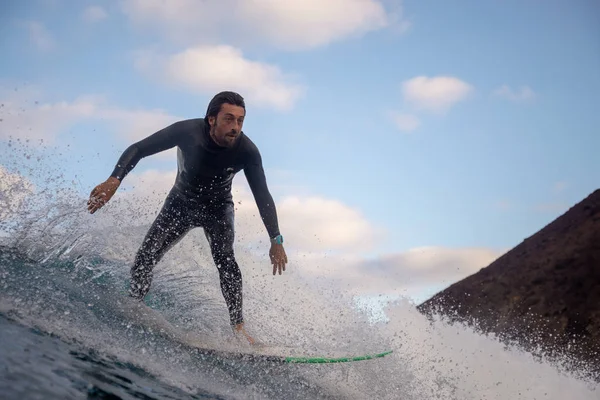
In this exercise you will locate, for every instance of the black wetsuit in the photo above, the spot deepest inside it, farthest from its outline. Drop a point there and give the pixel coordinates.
(200, 197)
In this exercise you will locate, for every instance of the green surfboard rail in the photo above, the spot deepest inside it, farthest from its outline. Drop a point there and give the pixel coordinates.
(285, 359)
(325, 360)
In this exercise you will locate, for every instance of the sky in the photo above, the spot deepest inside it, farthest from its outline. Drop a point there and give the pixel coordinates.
(411, 142)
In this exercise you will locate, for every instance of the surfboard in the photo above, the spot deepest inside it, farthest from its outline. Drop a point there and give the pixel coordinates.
(326, 360)
(252, 356)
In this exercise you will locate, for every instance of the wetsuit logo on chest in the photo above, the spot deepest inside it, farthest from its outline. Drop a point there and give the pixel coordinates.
(229, 172)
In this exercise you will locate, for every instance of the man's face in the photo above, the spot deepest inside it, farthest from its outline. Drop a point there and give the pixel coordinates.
(227, 126)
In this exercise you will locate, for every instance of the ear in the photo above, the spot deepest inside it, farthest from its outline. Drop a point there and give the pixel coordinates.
(211, 121)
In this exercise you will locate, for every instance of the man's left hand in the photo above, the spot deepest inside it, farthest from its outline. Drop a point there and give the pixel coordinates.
(278, 257)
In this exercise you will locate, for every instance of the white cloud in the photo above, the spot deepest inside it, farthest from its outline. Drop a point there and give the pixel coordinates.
(504, 205)
(320, 224)
(94, 14)
(133, 125)
(312, 23)
(22, 116)
(310, 224)
(406, 122)
(291, 24)
(560, 186)
(39, 36)
(523, 94)
(407, 272)
(436, 94)
(14, 189)
(210, 69)
(29, 119)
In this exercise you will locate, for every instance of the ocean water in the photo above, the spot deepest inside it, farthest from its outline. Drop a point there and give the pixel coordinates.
(66, 331)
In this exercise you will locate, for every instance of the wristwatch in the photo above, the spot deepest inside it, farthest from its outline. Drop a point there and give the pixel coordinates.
(277, 239)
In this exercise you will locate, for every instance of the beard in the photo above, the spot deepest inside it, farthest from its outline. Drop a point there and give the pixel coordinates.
(224, 139)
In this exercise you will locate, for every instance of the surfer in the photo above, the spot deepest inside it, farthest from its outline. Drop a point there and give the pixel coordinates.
(210, 151)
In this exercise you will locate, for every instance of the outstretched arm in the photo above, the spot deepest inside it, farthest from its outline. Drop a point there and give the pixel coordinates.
(255, 175)
(159, 141)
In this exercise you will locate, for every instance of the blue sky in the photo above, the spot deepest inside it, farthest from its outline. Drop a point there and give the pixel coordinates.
(499, 101)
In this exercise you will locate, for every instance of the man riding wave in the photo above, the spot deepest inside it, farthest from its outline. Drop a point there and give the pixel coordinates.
(210, 151)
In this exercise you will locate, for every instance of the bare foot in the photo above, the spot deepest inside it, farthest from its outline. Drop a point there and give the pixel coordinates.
(240, 330)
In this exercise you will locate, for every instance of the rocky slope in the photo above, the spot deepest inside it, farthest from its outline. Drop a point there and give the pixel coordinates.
(544, 292)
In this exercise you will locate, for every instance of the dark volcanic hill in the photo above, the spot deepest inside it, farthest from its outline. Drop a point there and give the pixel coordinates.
(544, 292)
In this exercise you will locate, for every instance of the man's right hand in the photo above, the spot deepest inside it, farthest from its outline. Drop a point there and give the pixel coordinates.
(102, 194)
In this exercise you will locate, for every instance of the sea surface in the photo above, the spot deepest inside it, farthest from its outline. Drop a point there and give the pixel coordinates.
(64, 335)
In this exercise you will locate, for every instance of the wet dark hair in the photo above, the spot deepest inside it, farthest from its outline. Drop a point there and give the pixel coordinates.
(226, 97)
